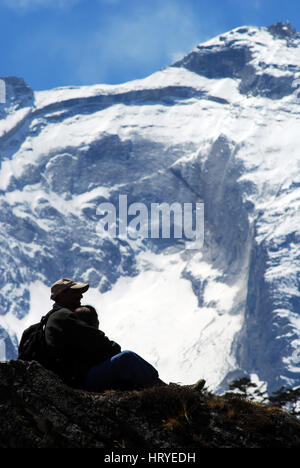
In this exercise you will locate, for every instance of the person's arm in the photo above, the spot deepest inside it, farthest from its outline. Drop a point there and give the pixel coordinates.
(68, 335)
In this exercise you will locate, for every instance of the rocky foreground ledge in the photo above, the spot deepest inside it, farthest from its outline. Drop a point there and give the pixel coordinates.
(38, 411)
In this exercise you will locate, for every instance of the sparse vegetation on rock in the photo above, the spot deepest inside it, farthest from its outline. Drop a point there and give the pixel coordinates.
(37, 410)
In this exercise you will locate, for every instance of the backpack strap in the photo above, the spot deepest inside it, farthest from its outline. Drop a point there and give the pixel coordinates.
(45, 318)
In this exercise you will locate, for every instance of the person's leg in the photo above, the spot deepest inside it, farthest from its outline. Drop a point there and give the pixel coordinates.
(126, 370)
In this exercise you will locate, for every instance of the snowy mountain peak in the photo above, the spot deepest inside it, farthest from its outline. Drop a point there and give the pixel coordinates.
(262, 59)
(219, 126)
(17, 95)
(283, 30)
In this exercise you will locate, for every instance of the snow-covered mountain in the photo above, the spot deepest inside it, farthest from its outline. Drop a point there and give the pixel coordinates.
(221, 126)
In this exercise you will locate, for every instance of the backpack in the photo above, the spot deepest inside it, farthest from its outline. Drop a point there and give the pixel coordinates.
(32, 346)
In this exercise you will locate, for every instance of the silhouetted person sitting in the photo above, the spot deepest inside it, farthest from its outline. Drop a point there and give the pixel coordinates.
(83, 355)
(89, 315)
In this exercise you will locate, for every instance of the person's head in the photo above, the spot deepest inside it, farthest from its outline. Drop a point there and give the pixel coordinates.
(68, 293)
(88, 314)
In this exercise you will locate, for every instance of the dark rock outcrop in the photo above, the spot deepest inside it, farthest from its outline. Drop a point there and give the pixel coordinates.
(234, 59)
(38, 411)
(282, 30)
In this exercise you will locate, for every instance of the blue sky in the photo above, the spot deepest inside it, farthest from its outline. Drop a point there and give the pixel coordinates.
(54, 43)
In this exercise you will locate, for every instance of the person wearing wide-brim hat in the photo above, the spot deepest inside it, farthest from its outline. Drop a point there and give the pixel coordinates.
(84, 356)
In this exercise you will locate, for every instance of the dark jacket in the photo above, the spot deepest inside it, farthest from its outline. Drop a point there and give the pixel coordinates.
(73, 346)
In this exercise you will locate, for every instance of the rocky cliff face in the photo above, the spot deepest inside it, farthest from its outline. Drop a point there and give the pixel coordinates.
(38, 411)
(219, 126)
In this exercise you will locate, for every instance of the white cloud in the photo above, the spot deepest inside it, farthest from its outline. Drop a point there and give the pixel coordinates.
(119, 45)
(22, 5)
(140, 39)
(257, 4)
(110, 2)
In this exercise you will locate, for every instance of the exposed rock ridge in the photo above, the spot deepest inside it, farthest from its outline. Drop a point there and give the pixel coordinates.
(38, 411)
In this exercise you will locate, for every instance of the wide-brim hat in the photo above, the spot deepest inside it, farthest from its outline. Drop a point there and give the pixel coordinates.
(67, 283)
